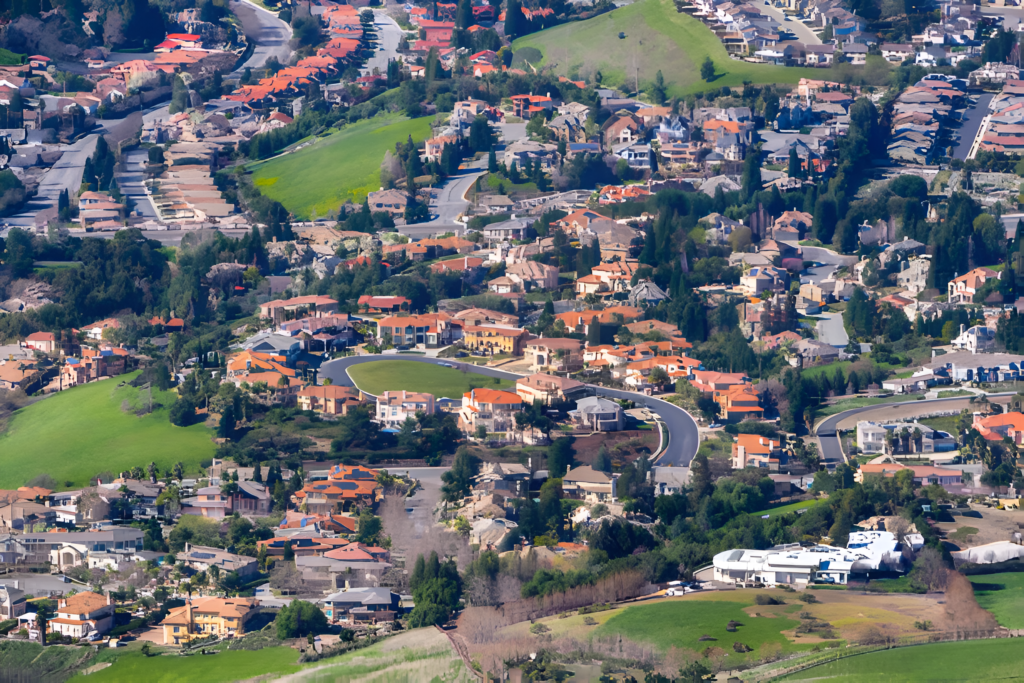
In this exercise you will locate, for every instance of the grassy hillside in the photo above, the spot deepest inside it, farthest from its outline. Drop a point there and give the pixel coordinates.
(231, 665)
(83, 431)
(396, 375)
(344, 165)
(979, 660)
(1003, 596)
(657, 37)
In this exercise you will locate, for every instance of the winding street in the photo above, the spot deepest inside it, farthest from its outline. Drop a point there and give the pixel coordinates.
(683, 438)
(270, 34)
(827, 430)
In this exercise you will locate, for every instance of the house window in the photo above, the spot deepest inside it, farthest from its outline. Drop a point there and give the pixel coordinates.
(175, 629)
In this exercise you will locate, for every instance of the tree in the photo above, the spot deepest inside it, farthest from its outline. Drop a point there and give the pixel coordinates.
(602, 462)
(559, 457)
(658, 92)
(179, 96)
(459, 478)
(492, 161)
(515, 20)
(794, 164)
(707, 70)
(751, 174)
(289, 554)
(436, 589)
(300, 618)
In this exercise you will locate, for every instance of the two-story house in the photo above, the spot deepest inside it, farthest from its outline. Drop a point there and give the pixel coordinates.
(493, 409)
(393, 407)
(556, 354)
(82, 614)
(202, 617)
(330, 399)
(962, 289)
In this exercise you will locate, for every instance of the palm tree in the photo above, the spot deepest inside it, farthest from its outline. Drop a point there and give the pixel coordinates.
(889, 439)
(918, 445)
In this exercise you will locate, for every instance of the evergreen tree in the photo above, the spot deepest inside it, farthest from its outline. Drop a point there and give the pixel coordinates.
(594, 332)
(751, 174)
(179, 96)
(794, 164)
(515, 20)
(464, 14)
(492, 161)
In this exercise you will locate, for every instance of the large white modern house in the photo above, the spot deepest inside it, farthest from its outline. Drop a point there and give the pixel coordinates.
(866, 552)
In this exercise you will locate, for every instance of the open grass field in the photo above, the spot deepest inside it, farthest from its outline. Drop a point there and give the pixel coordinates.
(979, 660)
(420, 655)
(342, 166)
(657, 37)
(786, 509)
(83, 431)
(396, 375)
(1003, 596)
(226, 665)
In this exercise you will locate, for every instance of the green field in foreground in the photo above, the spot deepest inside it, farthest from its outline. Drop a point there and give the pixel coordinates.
(681, 623)
(1003, 596)
(396, 375)
(657, 37)
(226, 665)
(341, 166)
(977, 660)
(83, 431)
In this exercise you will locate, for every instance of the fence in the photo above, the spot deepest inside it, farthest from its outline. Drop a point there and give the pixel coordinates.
(779, 669)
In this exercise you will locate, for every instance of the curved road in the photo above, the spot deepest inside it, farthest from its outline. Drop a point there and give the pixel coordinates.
(827, 433)
(262, 27)
(683, 436)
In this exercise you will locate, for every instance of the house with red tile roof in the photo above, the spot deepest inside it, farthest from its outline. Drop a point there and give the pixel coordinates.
(45, 342)
(82, 614)
(490, 408)
(315, 305)
(739, 402)
(962, 289)
(754, 450)
(383, 304)
(999, 427)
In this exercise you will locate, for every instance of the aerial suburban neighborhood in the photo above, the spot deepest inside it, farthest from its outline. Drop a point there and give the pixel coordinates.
(511, 340)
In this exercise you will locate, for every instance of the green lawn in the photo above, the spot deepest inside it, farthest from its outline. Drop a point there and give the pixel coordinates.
(657, 38)
(862, 402)
(681, 623)
(1003, 596)
(226, 665)
(344, 165)
(979, 660)
(396, 375)
(81, 432)
(786, 509)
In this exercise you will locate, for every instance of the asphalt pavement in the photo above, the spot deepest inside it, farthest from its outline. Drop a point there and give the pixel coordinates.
(801, 32)
(682, 429)
(389, 34)
(972, 121)
(826, 431)
(448, 200)
(262, 27)
(831, 330)
(830, 262)
(66, 174)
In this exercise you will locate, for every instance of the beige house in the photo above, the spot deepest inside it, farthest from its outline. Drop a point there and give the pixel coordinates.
(82, 614)
(493, 409)
(222, 617)
(586, 483)
(534, 275)
(559, 354)
(393, 407)
(329, 400)
(547, 388)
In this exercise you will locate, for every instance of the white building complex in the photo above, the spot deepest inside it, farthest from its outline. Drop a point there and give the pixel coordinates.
(867, 552)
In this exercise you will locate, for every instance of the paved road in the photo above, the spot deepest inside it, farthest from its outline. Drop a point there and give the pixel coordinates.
(801, 31)
(66, 174)
(131, 183)
(262, 27)
(827, 433)
(389, 33)
(448, 202)
(831, 330)
(972, 123)
(683, 442)
(830, 262)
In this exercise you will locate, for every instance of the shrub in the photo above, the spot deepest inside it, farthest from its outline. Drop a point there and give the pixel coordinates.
(763, 599)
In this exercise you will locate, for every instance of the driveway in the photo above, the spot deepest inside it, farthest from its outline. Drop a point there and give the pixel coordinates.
(831, 330)
(969, 129)
(682, 429)
(131, 183)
